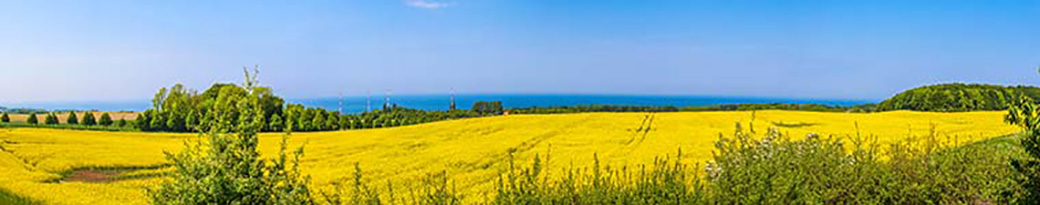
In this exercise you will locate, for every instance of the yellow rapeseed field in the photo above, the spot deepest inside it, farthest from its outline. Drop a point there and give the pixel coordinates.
(471, 151)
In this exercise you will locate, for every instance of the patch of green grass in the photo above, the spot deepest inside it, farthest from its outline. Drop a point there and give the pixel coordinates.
(9, 198)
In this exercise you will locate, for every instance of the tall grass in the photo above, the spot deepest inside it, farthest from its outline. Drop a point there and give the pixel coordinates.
(434, 188)
(12, 199)
(774, 169)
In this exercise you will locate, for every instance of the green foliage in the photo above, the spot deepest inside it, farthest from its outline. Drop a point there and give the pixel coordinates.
(228, 168)
(9, 198)
(486, 107)
(179, 109)
(776, 170)
(72, 119)
(105, 120)
(276, 123)
(1026, 114)
(32, 119)
(51, 119)
(4, 118)
(88, 119)
(121, 123)
(957, 97)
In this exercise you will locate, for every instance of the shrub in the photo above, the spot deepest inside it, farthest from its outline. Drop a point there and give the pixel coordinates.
(776, 170)
(228, 168)
(121, 123)
(665, 182)
(430, 189)
(32, 119)
(105, 120)
(1026, 114)
(72, 119)
(4, 118)
(88, 119)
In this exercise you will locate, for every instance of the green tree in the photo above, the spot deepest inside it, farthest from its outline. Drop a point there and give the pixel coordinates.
(318, 123)
(32, 119)
(485, 107)
(332, 123)
(105, 120)
(51, 119)
(4, 118)
(229, 169)
(276, 123)
(121, 123)
(72, 119)
(144, 120)
(88, 119)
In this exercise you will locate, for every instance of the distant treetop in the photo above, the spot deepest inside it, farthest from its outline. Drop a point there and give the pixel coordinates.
(958, 97)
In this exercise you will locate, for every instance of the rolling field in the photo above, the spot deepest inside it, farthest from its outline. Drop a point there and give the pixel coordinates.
(62, 116)
(38, 163)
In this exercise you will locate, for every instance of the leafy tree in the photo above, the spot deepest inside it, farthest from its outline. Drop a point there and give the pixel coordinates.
(32, 119)
(276, 123)
(51, 119)
(229, 169)
(332, 123)
(144, 120)
(88, 119)
(72, 119)
(318, 123)
(485, 107)
(121, 123)
(105, 120)
(4, 118)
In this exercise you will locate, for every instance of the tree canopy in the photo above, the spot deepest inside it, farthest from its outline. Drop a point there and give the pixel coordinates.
(957, 97)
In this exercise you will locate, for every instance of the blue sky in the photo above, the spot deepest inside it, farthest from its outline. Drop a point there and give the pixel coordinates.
(125, 50)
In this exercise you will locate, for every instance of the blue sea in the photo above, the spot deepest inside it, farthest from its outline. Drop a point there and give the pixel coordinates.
(355, 104)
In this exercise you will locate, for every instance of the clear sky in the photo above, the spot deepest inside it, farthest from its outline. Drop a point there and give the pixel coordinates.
(126, 50)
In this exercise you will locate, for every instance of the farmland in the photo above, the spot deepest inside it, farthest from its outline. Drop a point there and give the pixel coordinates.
(62, 116)
(35, 162)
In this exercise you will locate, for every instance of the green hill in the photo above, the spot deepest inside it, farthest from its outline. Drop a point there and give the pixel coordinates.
(955, 97)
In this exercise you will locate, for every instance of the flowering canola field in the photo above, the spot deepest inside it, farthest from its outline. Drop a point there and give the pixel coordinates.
(471, 151)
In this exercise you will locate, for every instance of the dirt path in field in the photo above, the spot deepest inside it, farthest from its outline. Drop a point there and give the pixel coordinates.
(105, 175)
(93, 176)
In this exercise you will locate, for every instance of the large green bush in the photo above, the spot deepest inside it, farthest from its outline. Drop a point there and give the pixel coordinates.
(228, 169)
(4, 118)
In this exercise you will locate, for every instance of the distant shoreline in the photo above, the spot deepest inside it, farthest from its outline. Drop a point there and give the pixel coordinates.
(440, 102)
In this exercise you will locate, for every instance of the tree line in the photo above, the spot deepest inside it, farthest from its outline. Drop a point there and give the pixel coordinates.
(51, 118)
(178, 109)
(959, 97)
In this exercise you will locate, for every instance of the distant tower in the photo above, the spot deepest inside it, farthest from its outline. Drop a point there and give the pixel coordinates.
(452, 105)
(386, 102)
(368, 101)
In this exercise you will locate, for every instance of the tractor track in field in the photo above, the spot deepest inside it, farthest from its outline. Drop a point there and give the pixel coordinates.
(644, 129)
